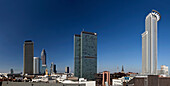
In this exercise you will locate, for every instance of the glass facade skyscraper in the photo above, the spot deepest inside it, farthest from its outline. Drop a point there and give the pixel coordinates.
(85, 55)
(43, 61)
(149, 44)
(43, 57)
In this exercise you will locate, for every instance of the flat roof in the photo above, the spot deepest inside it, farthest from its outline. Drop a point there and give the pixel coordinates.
(28, 40)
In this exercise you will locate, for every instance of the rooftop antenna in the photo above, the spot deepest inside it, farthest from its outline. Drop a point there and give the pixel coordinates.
(117, 68)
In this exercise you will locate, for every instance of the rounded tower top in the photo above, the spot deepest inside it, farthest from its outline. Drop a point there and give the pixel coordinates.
(157, 14)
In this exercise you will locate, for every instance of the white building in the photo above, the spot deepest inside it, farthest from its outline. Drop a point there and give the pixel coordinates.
(81, 81)
(163, 70)
(149, 44)
(36, 65)
(117, 82)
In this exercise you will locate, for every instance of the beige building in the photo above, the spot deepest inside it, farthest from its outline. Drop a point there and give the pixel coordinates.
(28, 54)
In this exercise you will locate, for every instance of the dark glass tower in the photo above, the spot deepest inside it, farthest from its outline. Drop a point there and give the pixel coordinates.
(85, 55)
(43, 57)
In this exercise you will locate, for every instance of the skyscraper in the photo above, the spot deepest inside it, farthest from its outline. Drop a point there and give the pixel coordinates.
(36, 65)
(149, 44)
(28, 54)
(53, 68)
(43, 57)
(11, 71)
(67, 70)
(55, 71)
(85, 55)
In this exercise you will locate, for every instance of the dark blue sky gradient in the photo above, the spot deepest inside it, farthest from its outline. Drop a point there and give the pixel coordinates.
(51, 24)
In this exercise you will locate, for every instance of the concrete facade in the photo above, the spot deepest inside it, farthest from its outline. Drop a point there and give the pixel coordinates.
(149, 44)
(36, 65)
(28, 54)
(67, 70)
(5, 83)
(106, 78)
(150, 80)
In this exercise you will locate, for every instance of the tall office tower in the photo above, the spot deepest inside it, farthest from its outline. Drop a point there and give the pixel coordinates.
(36, 65)
(149, 44)
(28, 56)
(11, 71)
(53, 68)
(163, 70)
(55, 71)
(43, 69)
(77, 55)
(67, 70)
(85, 55)
(43, 57)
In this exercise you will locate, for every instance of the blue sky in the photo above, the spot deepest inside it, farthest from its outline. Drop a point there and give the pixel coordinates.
(51, 24)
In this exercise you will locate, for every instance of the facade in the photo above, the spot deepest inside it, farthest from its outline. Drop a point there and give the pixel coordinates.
(28, 53)
(43, 69)
(55, 71)
(11, 71)
(163, 70)
(80, 82)
(43, 61)
(150, 80)
(43, 57)
(116, 82)
(77, 55)
(99, 77)
(85, 55)
(106, 78)
(149, 44)
(36, 65)
(67, 70)
(53, 68)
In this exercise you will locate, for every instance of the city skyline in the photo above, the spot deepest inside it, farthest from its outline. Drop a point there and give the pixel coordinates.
(119, 36)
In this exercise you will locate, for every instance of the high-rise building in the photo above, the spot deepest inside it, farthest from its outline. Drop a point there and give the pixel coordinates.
(85, 55)
(43, 57)
(55, 71)
(28, 54)
(149, 44)
(36, 65)
(11, 71)
(43, 61)
(163, 70)
(67, 70)
(43, 69)
(53, 68)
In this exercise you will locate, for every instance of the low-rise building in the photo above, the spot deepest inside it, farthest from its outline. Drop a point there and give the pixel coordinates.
(81, 82)
(99, 77)
(150, 80)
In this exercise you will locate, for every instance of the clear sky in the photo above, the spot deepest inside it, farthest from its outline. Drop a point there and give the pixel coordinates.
(51, 24)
